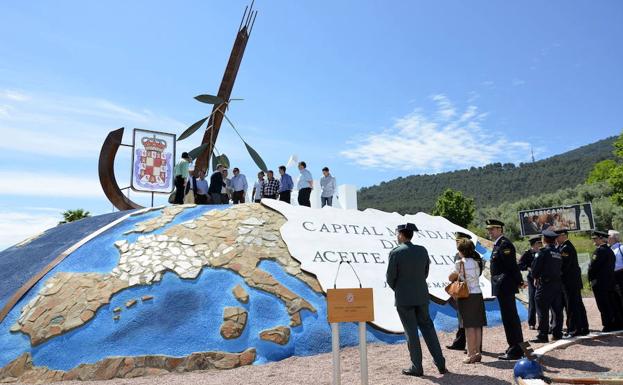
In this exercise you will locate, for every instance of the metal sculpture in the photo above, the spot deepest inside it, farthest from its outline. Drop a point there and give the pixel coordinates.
(202, 153)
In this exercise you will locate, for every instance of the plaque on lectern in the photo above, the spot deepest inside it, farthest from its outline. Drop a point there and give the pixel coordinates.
(350, 305)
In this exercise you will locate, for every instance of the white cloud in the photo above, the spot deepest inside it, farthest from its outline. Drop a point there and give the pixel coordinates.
(436, 142)
(48, 185)
(67, 126)
(488, 83)
(445, 108)
(16, 226)
(518, 82)
(13, 95)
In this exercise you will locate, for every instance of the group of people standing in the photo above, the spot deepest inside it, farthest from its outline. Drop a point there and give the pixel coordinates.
(554, 282)
(221, 189)
(281, 189)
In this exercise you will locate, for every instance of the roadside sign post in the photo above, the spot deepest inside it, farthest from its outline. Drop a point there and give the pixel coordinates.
(350, 305)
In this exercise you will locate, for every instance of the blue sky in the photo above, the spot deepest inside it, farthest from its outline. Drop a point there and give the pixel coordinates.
(372, 89)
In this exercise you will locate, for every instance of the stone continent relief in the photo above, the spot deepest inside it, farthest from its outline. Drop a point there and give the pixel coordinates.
(236, 239)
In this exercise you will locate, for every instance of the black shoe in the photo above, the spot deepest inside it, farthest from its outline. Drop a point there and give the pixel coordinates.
(556, 338)
(608, 329)
(532, 327)
(411, 372)
(540, 340)
(455, 347)
(442, 370)
(509, 357)
(584, 332)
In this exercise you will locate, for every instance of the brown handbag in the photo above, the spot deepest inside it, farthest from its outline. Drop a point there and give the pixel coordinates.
(458, 289)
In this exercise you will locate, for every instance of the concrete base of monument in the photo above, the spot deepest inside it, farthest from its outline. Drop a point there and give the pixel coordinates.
(163, 285)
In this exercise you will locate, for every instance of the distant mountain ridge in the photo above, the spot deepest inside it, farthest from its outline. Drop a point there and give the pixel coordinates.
(489, 185)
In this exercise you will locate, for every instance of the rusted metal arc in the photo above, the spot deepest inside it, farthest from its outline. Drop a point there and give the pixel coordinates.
(224, 92)
(106, 168)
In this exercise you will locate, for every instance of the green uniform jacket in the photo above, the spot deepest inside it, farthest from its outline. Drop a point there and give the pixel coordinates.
(406, 274)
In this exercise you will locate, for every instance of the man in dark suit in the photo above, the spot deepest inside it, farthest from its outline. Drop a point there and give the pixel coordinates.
(601, 278)
(216, 185)
(505, 282)
(546, 272)
(572, 286)
(525, 263)
(407, 271)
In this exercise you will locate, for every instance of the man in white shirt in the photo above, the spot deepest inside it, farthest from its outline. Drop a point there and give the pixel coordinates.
(304, 185)
(238, 186)
(614, 240)
(201, 188)
(327, 184)
(258, 187)
(226, 189)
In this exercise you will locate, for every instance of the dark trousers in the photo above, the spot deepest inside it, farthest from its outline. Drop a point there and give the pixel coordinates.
(201, 199)
(576, 313)
(257, 200)
(618, 281)
(216, 198)
(603, 299)
(284, 196)
(326, 201)
(179, 190)
(531, 304)
(459, 339)
(238, 197)
(412, 318)
(548, 296)
(304, 194)
(512, 325)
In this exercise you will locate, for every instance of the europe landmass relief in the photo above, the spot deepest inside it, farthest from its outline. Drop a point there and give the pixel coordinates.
(237, 239)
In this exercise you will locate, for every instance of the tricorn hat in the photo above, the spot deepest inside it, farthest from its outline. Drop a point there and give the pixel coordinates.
(407, 226)
(547, 233)
(534, 239)
(599, 234)
(491, 223)
(460, 234)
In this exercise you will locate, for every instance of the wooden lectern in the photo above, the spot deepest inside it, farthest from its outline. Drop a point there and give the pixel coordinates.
(350, 305)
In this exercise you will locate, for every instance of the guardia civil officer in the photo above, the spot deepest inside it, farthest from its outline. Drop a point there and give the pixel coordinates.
(459, 338)
(525, 264)
(506, 280)
(407, 271)
(601, 278)
(546, 272)
(572, 286)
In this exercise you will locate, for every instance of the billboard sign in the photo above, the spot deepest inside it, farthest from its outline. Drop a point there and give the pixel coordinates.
(578, 217)
(153, 159)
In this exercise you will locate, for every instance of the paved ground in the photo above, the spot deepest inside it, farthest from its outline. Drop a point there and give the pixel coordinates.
(386, 361)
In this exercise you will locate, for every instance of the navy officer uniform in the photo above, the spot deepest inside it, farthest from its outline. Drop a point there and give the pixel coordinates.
(505, 282)
(601, 278)
(577, 321)
(546, 272)
(525, 264)
(407, 271)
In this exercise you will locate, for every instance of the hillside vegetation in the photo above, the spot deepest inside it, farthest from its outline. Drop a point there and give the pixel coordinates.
(493, 184)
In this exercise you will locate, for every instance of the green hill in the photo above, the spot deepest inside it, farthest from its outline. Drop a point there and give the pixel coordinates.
(490, 185)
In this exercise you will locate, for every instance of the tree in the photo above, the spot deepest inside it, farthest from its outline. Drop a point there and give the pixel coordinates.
(601, 171)
(455, 207)
(615, 177)
(74, 215)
